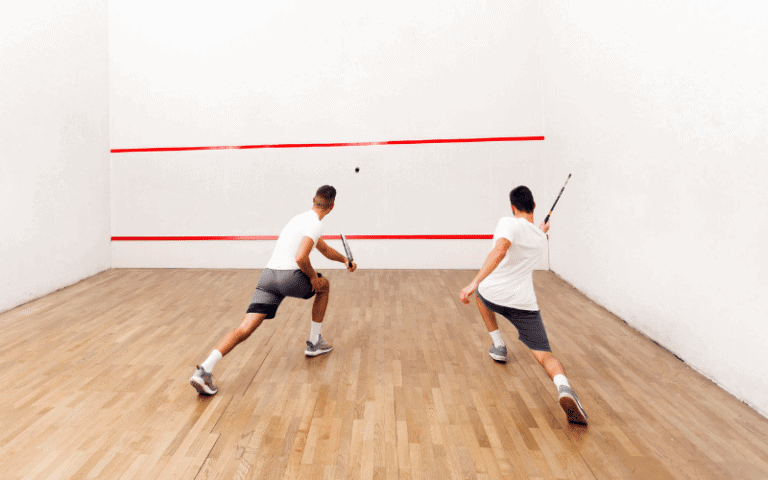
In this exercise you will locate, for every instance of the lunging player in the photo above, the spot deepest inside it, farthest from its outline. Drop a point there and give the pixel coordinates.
(504, 285)
(289, 273)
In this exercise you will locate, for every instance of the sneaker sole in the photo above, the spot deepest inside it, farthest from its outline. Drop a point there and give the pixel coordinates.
(315, 353)
(572, 411)
(202, 389)
(498, 358)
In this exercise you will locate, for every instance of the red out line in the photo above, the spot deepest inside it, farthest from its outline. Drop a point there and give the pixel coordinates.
(316, 145)
(325, 237)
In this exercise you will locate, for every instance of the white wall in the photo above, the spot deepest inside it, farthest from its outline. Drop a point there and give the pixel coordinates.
(301, 72)
(399, 190)
(187, 73)
(54, 146)
(659, 109)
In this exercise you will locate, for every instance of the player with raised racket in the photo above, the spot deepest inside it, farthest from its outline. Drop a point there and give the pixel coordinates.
(504, 285)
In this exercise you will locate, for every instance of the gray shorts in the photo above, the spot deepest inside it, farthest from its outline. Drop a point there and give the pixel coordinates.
(275, 285)
(529, 325)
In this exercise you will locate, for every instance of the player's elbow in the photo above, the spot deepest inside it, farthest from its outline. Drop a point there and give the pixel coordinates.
(302, 259)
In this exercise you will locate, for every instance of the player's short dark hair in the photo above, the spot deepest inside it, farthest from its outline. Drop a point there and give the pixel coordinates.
(522, 199)
(325, 196)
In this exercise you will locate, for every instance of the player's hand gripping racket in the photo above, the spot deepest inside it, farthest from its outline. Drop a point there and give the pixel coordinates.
(347, 250)
(546, 219)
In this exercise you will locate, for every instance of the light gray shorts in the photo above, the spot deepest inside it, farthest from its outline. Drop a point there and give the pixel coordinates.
(275, 285)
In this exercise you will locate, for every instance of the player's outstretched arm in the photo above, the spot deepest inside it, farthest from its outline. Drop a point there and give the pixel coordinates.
(494, 259)
(331, 254)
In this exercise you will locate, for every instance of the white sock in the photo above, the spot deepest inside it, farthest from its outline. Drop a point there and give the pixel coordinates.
(210, 362)
(496, 337)
(314, 333)
(560, 379)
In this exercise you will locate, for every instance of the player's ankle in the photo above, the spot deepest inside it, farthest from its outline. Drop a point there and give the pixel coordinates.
(496, 337)
(314, 333)
(561, 380)
(211, 361)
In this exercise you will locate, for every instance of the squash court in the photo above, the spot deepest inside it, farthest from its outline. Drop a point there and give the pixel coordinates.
(152, 154)
(97, 387)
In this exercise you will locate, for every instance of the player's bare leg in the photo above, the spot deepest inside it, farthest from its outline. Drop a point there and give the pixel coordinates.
(250, 323)
(488, 316)
(316, 345)
(321, 301)
(499, 350)
(202, 379)
(551, 364)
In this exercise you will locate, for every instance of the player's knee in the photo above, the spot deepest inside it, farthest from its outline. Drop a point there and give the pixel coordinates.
(325, 285)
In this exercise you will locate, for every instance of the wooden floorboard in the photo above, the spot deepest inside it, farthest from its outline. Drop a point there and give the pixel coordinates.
(96, 381)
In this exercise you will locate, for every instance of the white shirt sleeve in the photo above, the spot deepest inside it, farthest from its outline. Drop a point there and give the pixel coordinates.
(313, 230)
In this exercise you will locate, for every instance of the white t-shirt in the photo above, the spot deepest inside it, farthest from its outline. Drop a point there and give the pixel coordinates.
(511, 283)
(305, 224)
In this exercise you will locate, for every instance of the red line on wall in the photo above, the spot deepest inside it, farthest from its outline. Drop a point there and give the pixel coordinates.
(188, 238)
(316, 145)
(325, 237)
(412, 237)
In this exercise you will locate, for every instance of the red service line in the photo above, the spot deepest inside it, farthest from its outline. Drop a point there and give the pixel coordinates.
(315, 145)
(188, 238)
(411, 237)
(325, 237)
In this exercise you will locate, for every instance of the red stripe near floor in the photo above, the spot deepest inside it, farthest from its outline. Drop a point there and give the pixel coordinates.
(325, 237)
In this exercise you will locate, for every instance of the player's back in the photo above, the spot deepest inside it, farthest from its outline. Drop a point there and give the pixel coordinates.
(284, 255)
(527, 247)
(511, 283)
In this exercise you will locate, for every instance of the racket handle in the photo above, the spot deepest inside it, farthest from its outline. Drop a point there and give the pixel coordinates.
(546, 219)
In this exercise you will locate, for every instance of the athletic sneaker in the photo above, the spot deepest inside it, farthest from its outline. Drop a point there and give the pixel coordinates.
(317, 349)
(499, 353)
(571, 405)
(203, 382)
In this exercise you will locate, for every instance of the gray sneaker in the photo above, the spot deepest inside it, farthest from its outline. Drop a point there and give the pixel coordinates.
(203, 382)
(498, 353)
(571, 405)
(317, 349)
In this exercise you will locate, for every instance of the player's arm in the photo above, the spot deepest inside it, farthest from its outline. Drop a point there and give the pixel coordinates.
(494, 259)
(302, 259)
(331, 254)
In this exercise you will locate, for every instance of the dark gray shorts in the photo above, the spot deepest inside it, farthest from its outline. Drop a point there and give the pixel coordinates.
(529, 325)
(275, 285)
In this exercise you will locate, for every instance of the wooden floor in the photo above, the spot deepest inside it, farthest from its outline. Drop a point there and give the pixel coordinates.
(96, 385)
